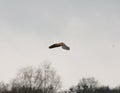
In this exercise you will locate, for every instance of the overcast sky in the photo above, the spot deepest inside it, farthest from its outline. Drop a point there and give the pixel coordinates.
(90, 27)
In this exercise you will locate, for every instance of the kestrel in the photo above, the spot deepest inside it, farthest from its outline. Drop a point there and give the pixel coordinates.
(63, 45)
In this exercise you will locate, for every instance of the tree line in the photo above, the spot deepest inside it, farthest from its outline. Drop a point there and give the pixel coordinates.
(90, 85)
(44, 79)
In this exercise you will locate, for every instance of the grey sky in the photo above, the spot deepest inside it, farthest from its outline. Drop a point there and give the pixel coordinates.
(90, 27)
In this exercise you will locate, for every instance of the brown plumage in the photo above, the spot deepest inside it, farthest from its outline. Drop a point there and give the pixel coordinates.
(59, 45)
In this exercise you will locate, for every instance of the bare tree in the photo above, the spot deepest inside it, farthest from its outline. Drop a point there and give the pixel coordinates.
(87, 84)
(50, 79)
(3, 87)
(43, 78)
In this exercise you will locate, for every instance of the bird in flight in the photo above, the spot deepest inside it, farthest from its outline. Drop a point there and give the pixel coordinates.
(63, 45)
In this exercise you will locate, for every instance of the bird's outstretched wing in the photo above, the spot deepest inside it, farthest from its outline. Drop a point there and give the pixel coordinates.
(66, 47)
(54, 45)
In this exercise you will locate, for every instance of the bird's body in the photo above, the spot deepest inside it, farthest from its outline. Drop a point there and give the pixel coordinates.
(59, 45)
